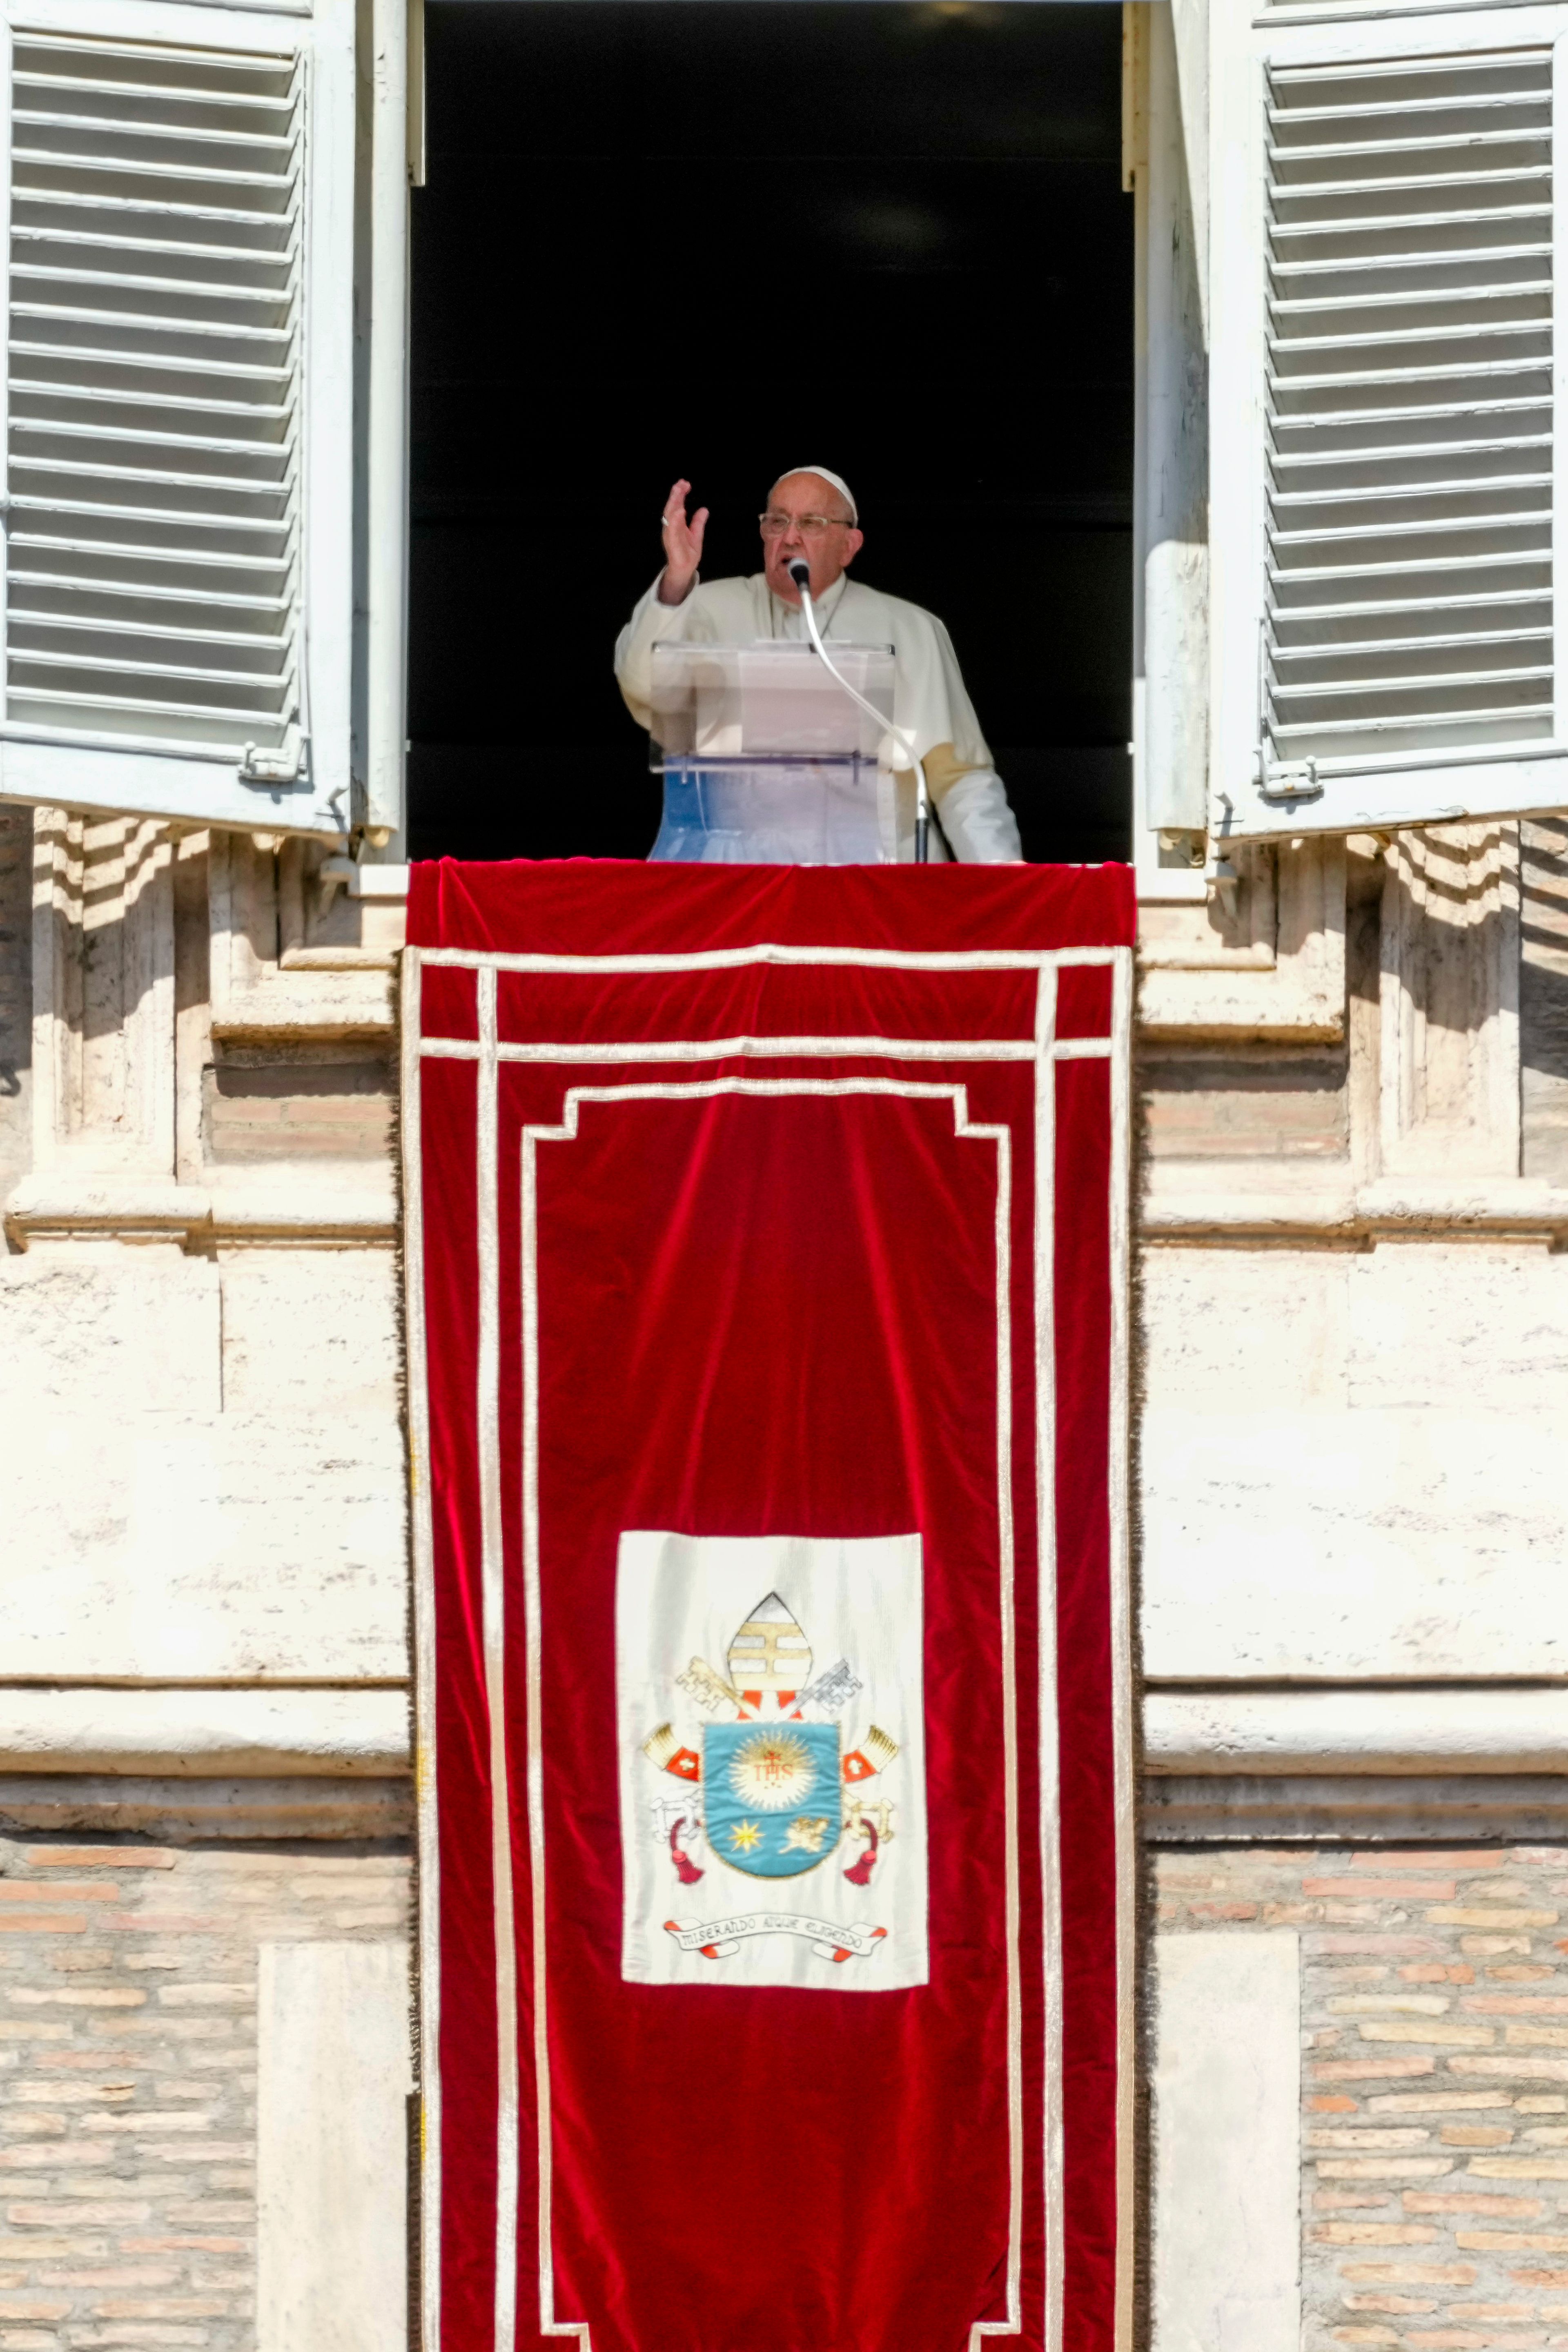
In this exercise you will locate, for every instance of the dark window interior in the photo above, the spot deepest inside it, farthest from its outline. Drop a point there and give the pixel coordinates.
(718, 237)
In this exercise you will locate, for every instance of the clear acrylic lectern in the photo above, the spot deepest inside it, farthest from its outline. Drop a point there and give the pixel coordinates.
(765, 760)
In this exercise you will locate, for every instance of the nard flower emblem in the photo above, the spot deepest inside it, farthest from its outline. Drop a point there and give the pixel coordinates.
(773, 1770)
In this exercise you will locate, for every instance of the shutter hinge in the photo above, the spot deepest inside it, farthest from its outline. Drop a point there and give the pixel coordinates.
(1290, 781)
(280, 767)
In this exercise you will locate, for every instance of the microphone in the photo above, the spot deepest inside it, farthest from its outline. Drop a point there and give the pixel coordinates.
(799, 571)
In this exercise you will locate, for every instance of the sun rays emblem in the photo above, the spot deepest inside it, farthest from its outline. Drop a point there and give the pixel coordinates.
(773, 1770)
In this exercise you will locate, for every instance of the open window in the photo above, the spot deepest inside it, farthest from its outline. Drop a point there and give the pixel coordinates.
(179, 418)
(662, 240)
(1388, 483)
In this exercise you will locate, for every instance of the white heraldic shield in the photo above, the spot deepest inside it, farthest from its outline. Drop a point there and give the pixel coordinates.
(772, 1739)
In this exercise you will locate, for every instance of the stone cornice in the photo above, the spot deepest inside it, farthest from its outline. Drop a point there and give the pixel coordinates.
(304, 1205)
(1195, 1201)
(179, 1733)
(1431, 1729)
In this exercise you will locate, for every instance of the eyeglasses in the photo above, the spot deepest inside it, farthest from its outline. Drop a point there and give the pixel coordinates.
(775, 524)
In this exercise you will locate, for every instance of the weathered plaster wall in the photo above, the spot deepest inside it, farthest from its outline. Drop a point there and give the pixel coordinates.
(1352, 1460)
(203, 1464)
(1354, 1309)
(1356, 1318)
(199, 1436)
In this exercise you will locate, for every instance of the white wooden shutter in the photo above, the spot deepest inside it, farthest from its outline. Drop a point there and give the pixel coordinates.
(1386, 370)
(178, 411)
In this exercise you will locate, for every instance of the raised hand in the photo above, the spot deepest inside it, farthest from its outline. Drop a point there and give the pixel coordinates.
(682, 545)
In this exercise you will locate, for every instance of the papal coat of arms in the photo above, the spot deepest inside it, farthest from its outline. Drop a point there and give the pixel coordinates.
(771, 1760)
(771, 1790)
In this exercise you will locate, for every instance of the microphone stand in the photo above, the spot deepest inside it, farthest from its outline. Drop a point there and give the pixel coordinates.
(800, 572)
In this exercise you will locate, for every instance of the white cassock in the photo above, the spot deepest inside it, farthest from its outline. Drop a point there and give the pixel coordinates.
(929, 704)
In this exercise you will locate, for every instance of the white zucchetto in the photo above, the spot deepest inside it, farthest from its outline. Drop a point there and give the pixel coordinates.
(825, 474)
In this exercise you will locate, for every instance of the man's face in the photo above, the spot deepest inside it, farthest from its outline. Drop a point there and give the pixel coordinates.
(801, 497)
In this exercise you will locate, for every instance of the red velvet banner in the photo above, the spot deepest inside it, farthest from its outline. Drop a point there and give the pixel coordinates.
(767, 1261)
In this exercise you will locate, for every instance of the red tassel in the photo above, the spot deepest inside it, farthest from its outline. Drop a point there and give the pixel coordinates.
(860, 1873)
(686, 1870)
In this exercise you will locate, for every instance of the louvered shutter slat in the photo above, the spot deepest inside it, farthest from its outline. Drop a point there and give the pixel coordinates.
(1409, 408)
(155, 336)
(52, 709)
(36, 620)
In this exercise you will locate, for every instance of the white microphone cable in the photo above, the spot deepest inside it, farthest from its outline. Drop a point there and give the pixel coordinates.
(800, 572)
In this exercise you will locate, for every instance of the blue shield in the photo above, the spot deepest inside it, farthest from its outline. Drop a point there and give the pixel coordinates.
(773, 1805)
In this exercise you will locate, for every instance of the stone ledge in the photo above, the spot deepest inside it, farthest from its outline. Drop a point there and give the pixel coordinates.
(328, 1205)
(180, 1733)
(1240, 1003)
(1230, 1201)
(58, 1206)
(1323, 1732)
(325, 1205)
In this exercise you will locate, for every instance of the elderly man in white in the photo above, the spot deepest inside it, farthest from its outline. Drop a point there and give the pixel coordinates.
(811, 514)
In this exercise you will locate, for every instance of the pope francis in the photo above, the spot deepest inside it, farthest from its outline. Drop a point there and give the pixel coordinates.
(811, 514)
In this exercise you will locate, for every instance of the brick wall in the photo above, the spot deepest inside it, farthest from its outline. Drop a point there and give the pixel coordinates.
(282, 1101)
(1435, 2081)
(128, 2056)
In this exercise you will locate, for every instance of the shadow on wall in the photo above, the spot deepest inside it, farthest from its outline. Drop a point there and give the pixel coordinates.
(16, 996)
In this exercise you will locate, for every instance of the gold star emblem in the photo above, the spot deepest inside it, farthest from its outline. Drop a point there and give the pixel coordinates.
(745, 1837)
